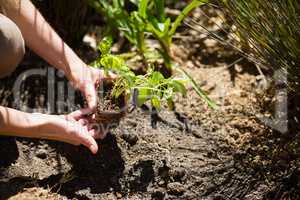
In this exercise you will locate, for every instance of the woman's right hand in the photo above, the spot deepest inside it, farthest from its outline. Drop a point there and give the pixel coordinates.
(75, 128)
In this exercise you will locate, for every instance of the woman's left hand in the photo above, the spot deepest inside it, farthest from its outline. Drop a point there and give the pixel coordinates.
(86, 79)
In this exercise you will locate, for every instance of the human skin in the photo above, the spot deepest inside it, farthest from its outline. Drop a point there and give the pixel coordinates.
(42, 39)
(74, 128)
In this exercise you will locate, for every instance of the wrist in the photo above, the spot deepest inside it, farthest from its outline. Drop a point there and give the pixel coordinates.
(77, 72)
(73, 67)
(47, 126)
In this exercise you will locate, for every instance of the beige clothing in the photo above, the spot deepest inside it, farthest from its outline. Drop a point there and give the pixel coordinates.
(12, 46)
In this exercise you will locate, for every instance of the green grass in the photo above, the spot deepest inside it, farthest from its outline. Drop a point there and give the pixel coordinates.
(271, 29)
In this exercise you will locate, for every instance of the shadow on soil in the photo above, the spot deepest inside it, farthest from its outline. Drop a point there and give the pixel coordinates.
(100, 173)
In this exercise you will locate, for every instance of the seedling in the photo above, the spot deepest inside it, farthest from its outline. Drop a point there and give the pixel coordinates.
(151, 87)
(137, 90)
(147, 19)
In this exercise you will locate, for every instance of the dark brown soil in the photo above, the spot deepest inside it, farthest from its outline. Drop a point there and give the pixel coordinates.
(227, 153)
(110, 109)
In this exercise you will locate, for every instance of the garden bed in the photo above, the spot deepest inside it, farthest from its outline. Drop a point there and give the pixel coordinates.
(224, 154)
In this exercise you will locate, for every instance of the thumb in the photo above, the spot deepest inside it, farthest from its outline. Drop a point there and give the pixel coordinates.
(90, 143)
(90, 95)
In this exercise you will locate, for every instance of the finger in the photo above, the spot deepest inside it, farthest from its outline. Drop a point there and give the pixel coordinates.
(97, 131)
(90, 95)
(83, 122)
(91, 119)
(99, 75)
(69, 118)
(90, 143)
(94, 130)
(78, 114)
(95, 134)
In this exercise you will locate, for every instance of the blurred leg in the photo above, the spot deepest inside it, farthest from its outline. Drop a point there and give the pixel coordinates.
(12, 46)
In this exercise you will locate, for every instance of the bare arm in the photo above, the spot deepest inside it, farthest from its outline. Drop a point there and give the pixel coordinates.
(69, 128)
(15, 122)
(42, 39)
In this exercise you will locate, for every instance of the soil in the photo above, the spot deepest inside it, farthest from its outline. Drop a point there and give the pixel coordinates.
(227, 153)
(109, 109)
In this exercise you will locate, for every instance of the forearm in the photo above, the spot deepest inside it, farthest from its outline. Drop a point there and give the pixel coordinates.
(17, 123)
(41, 38)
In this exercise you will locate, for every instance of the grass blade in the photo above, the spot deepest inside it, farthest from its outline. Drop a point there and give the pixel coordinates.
(198, 90)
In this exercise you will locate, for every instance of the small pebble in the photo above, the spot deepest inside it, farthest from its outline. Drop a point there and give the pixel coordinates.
(160, 183)
(119, 195)
(41, 153)
(178, 173)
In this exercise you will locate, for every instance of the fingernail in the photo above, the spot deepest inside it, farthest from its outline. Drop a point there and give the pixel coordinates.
(93, 149)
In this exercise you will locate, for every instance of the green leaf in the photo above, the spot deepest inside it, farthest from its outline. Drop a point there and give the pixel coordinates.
(119, 87)
(181, 80)
(118, 4)
(179, 87)
(161, 27)
(156, 77)
(95, 64)
(143, 8)
(160, 10)
(166, 26)
(105, 45)
(112, 62)
(198, 90)
(155, 101)
(153, 26)
(184, 13)
(143, 96)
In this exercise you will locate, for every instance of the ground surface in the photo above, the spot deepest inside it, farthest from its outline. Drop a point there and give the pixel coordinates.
(225, 153)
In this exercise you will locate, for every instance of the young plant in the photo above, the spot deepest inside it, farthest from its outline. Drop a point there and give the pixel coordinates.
(149, 18)
(119, 18)
(152, 12)
(151, 87)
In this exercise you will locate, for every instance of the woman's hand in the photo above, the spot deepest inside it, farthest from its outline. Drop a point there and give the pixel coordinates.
(85, 79)
(44, 41)
(75, 128)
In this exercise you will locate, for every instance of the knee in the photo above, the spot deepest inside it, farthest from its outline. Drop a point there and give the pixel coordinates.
(12, 46)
